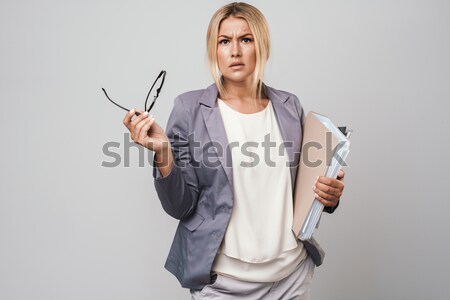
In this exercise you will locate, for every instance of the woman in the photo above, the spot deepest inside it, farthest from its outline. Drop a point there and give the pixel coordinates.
(216, 174)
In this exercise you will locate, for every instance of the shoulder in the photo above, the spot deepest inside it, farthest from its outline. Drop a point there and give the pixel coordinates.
(192, 99)
(191, 95)
(282, 95)
(288, 98)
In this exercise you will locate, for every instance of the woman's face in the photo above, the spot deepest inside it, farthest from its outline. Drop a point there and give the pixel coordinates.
(236, 54)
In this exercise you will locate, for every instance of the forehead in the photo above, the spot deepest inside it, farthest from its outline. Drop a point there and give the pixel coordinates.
(233, 25)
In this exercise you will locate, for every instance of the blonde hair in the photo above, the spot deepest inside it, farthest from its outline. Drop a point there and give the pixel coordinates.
(260, 31)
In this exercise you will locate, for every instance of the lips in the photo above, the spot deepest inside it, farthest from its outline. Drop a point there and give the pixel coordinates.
(236, 65)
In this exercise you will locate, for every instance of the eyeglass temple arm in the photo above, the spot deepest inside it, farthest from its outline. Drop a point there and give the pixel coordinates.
(124, 108)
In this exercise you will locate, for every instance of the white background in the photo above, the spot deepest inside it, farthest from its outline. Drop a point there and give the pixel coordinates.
(72, 229)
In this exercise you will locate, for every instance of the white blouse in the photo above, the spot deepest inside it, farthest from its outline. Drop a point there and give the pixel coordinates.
(259, 244)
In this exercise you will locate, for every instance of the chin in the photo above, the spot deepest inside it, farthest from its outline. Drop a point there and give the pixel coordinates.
(236, 77)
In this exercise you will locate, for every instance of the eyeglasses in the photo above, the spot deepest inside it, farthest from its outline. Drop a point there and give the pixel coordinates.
(161, 75)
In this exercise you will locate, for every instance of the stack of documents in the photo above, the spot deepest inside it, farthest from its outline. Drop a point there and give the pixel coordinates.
(324, 150)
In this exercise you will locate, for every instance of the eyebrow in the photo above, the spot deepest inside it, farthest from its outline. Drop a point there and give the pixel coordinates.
(242, 36)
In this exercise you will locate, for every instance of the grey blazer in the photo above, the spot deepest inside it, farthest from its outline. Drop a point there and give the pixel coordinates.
(199, 189)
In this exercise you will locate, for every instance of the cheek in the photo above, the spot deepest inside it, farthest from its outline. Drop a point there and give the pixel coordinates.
(254, 54)
(251, 54)
(221, 57)
(252, 61)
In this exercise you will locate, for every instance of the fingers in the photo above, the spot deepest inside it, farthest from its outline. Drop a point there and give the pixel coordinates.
(142, 130)
(335, 183)
(341, 175)
(326, 198)
(328, 190)
(127, 118)
(325, 202)
(139, 118)
(138, 126)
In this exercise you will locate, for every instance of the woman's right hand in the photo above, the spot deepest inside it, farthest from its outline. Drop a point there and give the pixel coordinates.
(145, 131)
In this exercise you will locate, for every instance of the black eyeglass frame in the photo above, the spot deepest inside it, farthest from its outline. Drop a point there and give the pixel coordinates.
(158, 90)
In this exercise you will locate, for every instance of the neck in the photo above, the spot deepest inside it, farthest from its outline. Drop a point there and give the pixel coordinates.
(238, 90)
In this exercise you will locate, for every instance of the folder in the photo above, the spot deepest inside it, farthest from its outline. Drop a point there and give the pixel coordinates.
(324, 150)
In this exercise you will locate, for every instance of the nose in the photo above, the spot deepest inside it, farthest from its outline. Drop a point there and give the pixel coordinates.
(236, 49)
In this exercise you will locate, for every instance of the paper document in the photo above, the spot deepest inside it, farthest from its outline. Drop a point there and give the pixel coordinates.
(324, 151)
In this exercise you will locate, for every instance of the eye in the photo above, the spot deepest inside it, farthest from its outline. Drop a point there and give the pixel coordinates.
(247, 40)
(224, 41)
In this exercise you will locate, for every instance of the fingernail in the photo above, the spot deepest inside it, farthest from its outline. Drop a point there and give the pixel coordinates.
(145, 113)
(151, 116)
(132, 112)
(314, 188)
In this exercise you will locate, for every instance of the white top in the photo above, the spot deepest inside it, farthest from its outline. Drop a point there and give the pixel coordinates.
(259, 244)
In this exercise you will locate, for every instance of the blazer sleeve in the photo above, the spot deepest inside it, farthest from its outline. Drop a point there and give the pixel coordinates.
(301, 115)
(178, 191)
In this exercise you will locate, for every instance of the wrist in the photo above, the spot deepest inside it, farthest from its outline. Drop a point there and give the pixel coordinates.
(163, 149)
(163, 155)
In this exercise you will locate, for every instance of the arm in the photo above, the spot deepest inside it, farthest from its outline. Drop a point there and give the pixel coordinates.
(175, 180)
(174, 177)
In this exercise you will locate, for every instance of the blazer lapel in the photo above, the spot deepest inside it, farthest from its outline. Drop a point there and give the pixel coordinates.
(216, 130)
(289, 124)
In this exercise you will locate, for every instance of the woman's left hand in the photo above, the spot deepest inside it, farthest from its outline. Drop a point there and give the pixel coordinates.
(329, 190)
